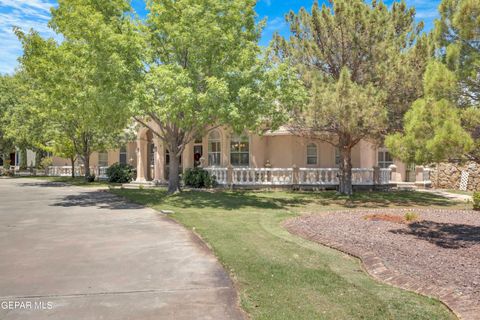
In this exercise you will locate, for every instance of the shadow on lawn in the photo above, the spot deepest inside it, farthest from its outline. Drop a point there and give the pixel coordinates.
(397, 198)
(379, 199)
(218, 200)
(445, 235)
(231, 200)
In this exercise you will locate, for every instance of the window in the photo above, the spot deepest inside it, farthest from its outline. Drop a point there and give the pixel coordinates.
(103, 159)
(151, 154)
(385, 160)
(214, 149)
(312, 157)
(123, 155)
(240, 151)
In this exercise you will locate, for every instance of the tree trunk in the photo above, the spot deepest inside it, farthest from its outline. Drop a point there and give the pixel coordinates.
(72, 161)
(5, 161)
(86, 164)
(345, 187)
(23, 159)
(40, 155)
(174, 178)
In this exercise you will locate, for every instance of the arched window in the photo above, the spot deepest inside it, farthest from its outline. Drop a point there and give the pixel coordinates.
(240, 151)
(312, 156)
(214, 149)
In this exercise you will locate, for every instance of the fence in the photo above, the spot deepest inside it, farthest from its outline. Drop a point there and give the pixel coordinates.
(297, 176)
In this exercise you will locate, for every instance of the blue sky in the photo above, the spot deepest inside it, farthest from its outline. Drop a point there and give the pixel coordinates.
(28, 14)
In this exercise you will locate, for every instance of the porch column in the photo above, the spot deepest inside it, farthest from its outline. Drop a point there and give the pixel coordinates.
(187, 156)
(142, 161)
(159, 174)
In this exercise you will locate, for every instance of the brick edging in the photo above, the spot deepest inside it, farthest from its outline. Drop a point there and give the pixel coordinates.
(463, 306)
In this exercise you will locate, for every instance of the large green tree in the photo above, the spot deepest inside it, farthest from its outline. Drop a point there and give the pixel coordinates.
(445, 123)
(7, 103)
(83, 83)
(205, 69)
(362, 64)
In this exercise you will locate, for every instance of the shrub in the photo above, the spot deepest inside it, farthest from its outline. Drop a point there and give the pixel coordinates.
(90, 178)
(6, 164)
(45, 162)
(411, 216)
(198, 178)
(476, 201)
(120, 173)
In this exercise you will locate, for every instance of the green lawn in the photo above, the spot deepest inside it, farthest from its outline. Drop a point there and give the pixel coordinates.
(280, 276)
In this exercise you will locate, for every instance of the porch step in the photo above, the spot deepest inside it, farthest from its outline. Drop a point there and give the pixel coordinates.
(406, 186)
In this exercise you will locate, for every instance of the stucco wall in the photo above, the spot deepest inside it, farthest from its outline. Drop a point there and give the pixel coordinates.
(113, 157)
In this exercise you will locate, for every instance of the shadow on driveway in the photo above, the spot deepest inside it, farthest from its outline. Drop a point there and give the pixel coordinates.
(99, 199)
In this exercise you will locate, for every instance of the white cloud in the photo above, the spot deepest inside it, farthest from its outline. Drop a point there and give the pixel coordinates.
(276, 24)
(425, 9)
(268, 2)
(25, 14)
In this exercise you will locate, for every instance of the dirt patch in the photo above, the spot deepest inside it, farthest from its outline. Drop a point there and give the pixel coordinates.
(438, 255)
(391, 218)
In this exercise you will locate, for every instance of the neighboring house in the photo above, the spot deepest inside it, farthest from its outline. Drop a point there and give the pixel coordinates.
(15, 158)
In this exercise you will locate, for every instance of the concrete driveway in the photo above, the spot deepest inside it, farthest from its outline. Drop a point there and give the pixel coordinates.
(74, 253)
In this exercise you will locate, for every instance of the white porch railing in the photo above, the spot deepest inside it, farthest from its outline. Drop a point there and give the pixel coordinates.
(385, 175)
(262, 176)
(102, 173)
(318, 176)
(362, 176)
(427, 175)
(220, 174)
(297, 176)
(66, 171)
(63, 171)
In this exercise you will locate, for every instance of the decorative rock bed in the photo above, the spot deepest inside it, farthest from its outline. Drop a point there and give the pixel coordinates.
(438, 255)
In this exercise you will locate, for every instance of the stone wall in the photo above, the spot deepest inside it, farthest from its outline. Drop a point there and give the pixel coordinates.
(448, 175)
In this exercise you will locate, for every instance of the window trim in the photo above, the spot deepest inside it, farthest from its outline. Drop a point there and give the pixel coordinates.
(123, 151)
(248, 140)
(100, 161)
(383, 163)
(219, 152)
(311, 156)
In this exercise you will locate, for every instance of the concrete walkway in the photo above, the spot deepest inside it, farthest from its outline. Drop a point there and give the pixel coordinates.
(74, 253)
(449, 195)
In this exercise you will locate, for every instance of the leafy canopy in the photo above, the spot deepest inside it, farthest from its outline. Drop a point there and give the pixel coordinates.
(205, 69)
(445, 124)
(82, 84)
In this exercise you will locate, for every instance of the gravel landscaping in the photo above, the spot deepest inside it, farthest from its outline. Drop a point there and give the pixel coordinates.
(437, 255)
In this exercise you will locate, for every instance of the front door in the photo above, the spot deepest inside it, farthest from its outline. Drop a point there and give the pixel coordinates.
(197, 154)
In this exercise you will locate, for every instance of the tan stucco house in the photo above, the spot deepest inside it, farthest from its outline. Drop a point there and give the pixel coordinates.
(274, 158)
